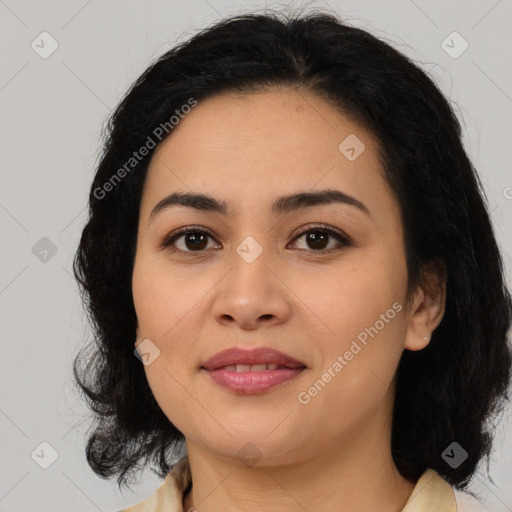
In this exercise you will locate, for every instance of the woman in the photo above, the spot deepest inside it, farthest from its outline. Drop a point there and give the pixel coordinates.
(292, 273)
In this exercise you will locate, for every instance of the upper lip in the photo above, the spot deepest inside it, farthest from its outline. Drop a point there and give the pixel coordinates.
(259, 355)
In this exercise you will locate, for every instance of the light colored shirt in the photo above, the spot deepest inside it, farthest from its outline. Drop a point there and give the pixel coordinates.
(431, 494)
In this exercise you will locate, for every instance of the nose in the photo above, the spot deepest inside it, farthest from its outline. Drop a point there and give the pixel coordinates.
(252, 295)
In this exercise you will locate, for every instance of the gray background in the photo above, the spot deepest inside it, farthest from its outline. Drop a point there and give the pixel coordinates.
(52, 112)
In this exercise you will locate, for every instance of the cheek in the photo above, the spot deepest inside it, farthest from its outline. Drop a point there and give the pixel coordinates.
(354, 295)
(162, 296)
(166, 315)
(362, 306)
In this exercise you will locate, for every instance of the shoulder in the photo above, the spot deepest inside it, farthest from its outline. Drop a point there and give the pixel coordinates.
(432, 493)
(169, 496)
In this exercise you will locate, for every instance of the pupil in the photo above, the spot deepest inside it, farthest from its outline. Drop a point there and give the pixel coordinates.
(196, 238)
(315, 237)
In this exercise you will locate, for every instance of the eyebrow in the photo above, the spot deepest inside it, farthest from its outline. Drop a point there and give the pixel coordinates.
(282, 205)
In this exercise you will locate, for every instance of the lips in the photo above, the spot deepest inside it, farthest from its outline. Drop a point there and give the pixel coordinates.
(249, 357)
(252, 371)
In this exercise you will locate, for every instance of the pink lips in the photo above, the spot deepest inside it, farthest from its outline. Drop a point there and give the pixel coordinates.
(252, 382)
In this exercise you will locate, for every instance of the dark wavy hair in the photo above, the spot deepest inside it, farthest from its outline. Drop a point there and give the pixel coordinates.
(449, 391)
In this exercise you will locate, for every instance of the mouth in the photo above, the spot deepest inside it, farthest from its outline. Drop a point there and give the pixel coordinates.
(252, 371)
(257, 359)
(240, 368)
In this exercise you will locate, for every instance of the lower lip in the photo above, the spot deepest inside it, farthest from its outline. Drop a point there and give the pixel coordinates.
(251, 383)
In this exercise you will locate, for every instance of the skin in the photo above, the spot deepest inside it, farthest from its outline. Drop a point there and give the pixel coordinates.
(248, 149)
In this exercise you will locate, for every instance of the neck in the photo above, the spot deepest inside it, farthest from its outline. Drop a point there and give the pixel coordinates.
(356, 475)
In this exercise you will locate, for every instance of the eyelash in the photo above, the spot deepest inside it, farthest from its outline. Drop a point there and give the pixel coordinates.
(344, 240)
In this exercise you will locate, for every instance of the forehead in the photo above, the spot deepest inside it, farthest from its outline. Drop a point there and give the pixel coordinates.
(250, 148)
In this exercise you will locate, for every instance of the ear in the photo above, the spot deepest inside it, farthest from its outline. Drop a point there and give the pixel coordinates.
(428, 306)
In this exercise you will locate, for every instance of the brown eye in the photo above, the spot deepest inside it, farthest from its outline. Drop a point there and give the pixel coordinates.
(317, 238)
(194, 240)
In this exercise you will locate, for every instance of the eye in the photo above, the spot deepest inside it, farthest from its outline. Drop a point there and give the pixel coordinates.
(195, 236)
(317, 236)
(195, 239)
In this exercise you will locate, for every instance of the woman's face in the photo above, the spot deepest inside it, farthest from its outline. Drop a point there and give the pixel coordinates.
(253, 280)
